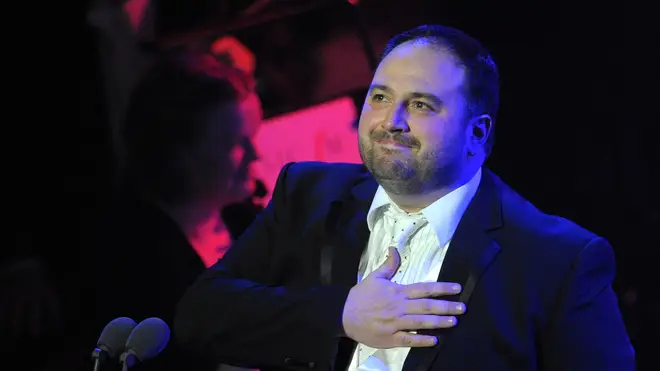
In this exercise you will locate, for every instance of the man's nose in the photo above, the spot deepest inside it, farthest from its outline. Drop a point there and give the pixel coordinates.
(397, 120)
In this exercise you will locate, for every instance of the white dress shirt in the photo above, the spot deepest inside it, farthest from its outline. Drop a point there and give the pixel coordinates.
(422, 253)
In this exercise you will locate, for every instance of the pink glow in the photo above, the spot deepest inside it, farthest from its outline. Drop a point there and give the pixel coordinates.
(135, 9)
(320, 133)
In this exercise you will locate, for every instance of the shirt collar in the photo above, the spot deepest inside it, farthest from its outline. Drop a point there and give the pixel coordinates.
(443, 215)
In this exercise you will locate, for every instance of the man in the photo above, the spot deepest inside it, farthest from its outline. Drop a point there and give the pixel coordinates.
(188, 141)
(455, 270)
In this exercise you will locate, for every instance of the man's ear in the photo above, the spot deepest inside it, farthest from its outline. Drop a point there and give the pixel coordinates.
(481, 127)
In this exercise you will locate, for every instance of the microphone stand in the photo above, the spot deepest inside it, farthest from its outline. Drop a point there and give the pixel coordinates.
(99, 356)
(128, 361)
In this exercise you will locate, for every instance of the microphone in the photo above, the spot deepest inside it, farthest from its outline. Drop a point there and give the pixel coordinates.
(112, 340)
(146, 341)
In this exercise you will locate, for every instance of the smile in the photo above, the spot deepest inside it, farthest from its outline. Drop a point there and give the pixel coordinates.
(391, 144)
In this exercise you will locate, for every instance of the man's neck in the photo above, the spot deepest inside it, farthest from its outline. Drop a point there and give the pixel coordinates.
(416, 203)
(413, 203)
(191, 216)
(203, 227)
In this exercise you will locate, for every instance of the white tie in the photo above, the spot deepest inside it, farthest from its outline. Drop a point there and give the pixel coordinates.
(405, 228)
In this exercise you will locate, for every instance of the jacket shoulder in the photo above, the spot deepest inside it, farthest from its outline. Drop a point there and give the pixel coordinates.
(538, 228)
(323, 178)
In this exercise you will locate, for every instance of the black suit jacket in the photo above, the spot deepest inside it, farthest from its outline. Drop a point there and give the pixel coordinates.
(537, 287)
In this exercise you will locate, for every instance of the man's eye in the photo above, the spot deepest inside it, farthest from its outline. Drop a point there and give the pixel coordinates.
(421, 106)
(378, 98)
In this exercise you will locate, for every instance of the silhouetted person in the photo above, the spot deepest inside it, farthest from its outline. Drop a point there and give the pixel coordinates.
(188, 150)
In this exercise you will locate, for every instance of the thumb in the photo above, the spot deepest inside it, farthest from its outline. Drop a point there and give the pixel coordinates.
(389, 267)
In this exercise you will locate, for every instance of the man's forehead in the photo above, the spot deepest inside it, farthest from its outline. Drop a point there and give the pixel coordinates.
(420, 66)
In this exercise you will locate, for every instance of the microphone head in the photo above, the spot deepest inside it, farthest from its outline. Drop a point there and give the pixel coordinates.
(114, 335)
(148, 339)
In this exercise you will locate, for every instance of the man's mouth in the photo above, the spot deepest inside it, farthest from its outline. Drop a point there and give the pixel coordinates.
(393, 144)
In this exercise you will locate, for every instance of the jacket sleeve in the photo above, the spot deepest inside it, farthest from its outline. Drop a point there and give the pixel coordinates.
(234, 313)
(587, 331)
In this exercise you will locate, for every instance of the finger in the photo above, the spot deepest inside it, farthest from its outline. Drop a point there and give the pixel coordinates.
(431, 289)
(389, 267)
(425, 322)
(434, 306)
(406, 339)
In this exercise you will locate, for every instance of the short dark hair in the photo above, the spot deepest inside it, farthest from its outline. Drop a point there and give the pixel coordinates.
(165, 115)
(483, 83)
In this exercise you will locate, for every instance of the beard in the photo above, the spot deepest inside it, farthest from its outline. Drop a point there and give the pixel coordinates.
(408, 174)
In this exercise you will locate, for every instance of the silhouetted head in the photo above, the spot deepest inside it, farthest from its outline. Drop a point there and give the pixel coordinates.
(189, 129)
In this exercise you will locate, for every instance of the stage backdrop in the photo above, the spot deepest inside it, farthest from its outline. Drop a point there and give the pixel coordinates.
(320, 133)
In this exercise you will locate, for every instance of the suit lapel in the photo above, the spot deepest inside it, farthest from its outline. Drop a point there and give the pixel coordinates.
(347, 237)
(470, 253)
(347, 232)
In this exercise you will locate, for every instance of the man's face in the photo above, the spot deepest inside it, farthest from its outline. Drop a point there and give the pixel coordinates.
(226, 151)
(412, 131)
